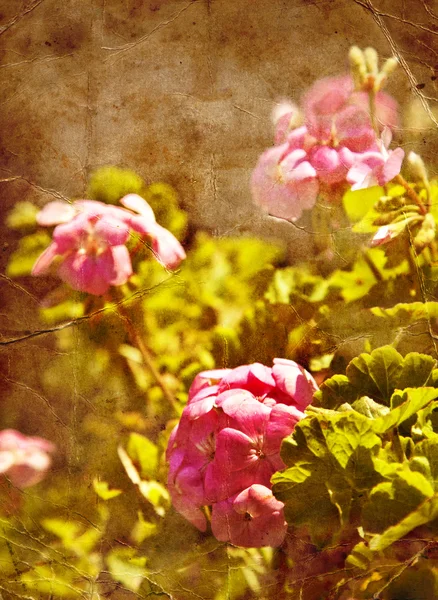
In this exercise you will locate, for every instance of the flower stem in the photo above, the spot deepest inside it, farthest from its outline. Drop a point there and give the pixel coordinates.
(138, 342)
(412, 195)
(373, 116)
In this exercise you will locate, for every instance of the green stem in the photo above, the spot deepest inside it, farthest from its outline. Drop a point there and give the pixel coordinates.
(148, 360)
(375, 271)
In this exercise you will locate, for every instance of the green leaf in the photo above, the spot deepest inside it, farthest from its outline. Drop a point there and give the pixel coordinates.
(156, 494)
(29, 249)
(54, 580)
(344, 434)
(376, 374)
(335, 391)
(391, 501)
(22, 216)
(408, 402)
(357, 204)
(428, 449)
(368, 407)
(109, 184)
(142, 529)
(127, 568)
(404, 314)
(143, 453)
(425, 513)
(356, 283)
(417, 371)
(102, 490)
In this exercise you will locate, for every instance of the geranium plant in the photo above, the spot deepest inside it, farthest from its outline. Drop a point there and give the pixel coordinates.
(217, 423)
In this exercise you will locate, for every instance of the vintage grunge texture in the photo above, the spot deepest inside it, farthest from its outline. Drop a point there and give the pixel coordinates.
(180, 91)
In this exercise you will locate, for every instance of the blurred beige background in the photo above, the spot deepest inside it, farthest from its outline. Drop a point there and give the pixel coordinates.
(182, 91)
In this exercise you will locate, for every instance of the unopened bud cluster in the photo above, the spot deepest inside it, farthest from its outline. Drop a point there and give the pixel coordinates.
(365, 69)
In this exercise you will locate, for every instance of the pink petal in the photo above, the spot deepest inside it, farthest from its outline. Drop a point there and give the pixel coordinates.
(45, 259)
(85, 273)
(54, 213)
(354, 129)
(392, 166)
(167, 248)
(328, 165)
(292, 379)
(111, 231)
(119, 267)
(139, 205)
(233, 521)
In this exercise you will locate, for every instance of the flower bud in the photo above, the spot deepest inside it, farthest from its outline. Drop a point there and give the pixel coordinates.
(418, 167)
(426, 234)
(371, 61)
(358, 66)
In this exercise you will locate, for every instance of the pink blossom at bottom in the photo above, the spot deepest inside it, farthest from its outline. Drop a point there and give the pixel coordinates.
(252, 518)
(24, 460)
(227, 446)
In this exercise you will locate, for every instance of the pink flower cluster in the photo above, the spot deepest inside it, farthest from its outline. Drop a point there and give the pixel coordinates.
(227, 444)
(336, 144)
(90, 238)
(24, 460)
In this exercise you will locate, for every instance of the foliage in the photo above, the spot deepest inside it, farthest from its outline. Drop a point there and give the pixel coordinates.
(112, 377)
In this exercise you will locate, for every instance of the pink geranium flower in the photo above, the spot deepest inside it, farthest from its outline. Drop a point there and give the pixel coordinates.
(284, 182)
(315, 158)
(24, 460)
(90, 239)
(229, 436)
(252, 518)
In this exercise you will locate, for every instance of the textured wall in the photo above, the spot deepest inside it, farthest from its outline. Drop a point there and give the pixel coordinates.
(180, 91)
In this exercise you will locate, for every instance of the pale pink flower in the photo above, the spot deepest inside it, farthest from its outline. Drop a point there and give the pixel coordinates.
(315, 158)
(24, 460)
(252, 518)
(286, 117)
(90, 239)
(284, 182)
(230, 433)
(376, 168)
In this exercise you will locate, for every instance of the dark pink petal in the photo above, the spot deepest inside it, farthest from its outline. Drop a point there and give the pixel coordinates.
(73, 235)
(392, 165)
(250, 416)
(386, 108)
(84, 273)
(235, 450)
(235, 378)
(298, 138)
(328, 164)
(188, 509)
(292, 379)
(253, 518)
(55, 213)
(260, 379)
(282, 422)
(202, 403)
